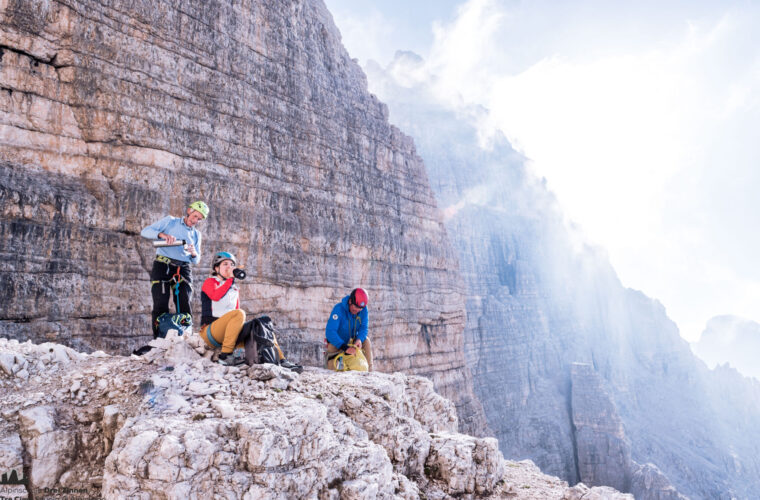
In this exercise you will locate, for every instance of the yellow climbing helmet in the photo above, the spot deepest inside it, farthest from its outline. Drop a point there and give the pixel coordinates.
(200, 207)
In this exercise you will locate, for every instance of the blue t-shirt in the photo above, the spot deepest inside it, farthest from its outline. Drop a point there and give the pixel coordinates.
(177, 228)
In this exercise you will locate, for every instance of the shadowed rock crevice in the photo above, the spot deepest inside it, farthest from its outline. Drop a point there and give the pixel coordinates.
(35, 61)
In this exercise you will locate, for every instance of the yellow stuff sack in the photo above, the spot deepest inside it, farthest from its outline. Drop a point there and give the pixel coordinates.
(350, 362)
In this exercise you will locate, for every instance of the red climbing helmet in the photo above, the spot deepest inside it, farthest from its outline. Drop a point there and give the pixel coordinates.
(359, 298)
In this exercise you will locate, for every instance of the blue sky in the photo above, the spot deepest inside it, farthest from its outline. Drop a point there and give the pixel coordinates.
(377, 29)
(643, 117)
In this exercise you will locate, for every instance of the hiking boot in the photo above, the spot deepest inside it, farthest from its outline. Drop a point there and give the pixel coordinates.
(291, 366)
(142, 350)
(229, 359)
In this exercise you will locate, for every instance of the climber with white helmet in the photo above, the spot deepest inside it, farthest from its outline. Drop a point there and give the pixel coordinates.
(178, 244)
(221, 317)
(223, 323)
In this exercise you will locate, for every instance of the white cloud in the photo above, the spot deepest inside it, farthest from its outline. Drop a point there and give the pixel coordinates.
(365, 35)
(642, 116)
(645, 144)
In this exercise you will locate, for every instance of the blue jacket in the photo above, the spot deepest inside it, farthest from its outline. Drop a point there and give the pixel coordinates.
(177, 228)
(342, 325)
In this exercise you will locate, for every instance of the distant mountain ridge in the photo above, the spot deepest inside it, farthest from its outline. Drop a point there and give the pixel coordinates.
(733, 340)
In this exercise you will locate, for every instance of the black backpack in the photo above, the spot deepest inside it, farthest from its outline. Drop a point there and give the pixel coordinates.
(260, 341)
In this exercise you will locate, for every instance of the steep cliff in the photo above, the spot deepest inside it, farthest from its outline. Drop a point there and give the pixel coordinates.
(602, 449)
(540, 299)
(174, 425)
(114, 114)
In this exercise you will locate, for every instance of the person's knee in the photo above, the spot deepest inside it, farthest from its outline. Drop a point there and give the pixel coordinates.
(204, 333)
(233, 315)
(367, 347)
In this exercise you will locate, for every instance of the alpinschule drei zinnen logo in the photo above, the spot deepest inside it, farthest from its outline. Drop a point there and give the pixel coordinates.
(12, 477)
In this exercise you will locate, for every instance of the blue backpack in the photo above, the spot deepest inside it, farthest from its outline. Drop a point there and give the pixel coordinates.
(178, 322)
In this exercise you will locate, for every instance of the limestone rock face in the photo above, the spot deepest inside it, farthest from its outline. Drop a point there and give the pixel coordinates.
(12, 467)
(582, 492)
(467, 465)
(115, 114)
(11, 457)
(648, 481)
(602, 448)
(174, 425)
(50, 449)
(603, 451)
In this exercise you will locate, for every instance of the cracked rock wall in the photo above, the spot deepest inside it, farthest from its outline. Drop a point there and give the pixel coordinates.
(116, 113)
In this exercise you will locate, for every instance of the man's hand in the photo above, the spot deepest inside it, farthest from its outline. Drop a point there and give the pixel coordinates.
(352, 349)
(191, 250)
(168, 237)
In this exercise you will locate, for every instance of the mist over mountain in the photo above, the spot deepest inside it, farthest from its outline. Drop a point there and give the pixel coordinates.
(732, 340)
(540, 299)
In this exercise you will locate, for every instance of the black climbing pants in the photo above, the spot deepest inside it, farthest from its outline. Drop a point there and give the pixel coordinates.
(163, 279)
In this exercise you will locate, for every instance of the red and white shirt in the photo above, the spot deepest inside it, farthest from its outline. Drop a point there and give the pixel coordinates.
(218, 297)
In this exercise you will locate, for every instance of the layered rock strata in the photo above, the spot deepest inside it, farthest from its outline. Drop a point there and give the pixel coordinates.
(114, 114)
(174, 425)
(602, 449)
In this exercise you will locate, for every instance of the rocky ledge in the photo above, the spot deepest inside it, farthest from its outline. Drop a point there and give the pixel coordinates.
(173, 424)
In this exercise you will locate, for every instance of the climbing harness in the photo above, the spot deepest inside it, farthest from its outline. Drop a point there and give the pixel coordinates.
(176, 278)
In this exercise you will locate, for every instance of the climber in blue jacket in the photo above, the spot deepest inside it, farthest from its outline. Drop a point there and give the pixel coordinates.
(348, 320)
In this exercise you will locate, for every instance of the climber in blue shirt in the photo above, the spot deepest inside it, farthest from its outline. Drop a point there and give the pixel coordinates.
(174, 229)
(348, 321)
(171, 270)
